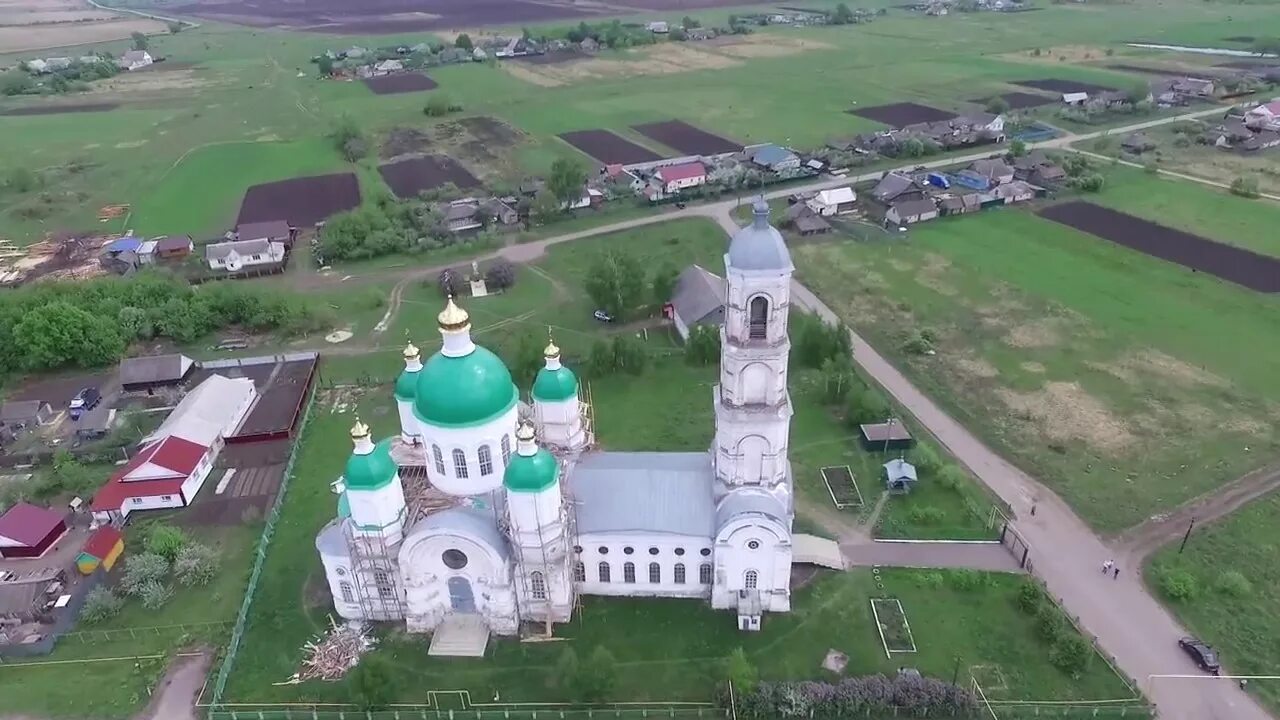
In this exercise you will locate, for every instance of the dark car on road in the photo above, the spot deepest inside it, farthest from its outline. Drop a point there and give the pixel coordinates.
(84, 401)
(1199, 651)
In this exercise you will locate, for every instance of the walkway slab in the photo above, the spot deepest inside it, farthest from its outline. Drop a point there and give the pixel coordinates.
(990, 556)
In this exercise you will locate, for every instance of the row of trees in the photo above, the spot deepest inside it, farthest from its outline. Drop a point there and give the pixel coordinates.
(49, 326)
(386, 227)
(868, 696)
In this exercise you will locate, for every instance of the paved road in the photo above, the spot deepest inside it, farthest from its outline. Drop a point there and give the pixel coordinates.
(1130, 625)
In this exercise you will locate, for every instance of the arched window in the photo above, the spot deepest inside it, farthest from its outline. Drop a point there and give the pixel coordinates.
(655, 573)
(704, 574)
(679, 573)
(486, 461)
(603, 571)
(629, 572)
(579, 571)
(439, 457)
(347, 595)
(383, 581)
(752, 580)
(537, 585)
(506, 450)
(460, 464)
(759, 320)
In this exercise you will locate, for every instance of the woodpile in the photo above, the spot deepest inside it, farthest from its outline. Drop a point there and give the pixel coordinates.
(331, 656)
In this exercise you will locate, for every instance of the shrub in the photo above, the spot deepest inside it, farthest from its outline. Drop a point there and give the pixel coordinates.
(739, 671)
(932, 579)
(1245, 187)
(924, 458)
(917, 344)
(872, 695)
(196, 564)
(1030, 597)
(1178, 584)
(501, 275)
(1234, 583)
(166, 541)
(1071, 654)
(966, 580)
(927, 515)
(952, 477)
(154, 594)
(142, 569)
(865, 405)
(1049, 622)
(100, 604)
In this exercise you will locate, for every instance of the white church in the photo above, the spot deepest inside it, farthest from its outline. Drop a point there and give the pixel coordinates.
(486, 513)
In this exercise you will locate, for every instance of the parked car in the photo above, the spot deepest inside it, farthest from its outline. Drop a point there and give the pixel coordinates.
(1204, 655)
(84, 401)
(602, 316)
(680, 204)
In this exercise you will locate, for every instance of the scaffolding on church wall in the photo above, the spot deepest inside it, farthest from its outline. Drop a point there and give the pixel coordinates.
(370, 555)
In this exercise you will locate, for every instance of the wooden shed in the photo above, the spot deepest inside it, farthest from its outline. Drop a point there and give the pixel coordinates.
(886, 436)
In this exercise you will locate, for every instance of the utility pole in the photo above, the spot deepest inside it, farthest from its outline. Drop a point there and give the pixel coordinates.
(1187, 536)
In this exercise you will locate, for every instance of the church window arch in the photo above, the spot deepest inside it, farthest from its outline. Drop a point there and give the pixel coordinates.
(486, 461)
(506, 450)
(579, 571)
(655, 573)
(629, 572)
(704, 574)
(603, 571)
(382, 579)
(758, 322)
(439, 458)
(460, 464)
(751, 580)
(679, 573)
(538, 585)
(348, 596)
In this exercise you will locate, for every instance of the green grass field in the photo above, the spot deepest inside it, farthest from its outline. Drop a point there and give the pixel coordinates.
(1109, 375)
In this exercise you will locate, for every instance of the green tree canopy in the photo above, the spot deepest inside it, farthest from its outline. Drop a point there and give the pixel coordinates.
(463, 42)
(615, 283)
(140, 41)
(60, 334)
(568, 176)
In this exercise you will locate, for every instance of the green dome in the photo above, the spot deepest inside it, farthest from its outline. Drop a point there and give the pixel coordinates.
(461, 391)
(372, 471)
(552, 385)
(530, 473)
(407, 385)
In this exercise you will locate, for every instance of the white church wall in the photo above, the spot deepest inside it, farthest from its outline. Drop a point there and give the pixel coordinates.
(379, 512)
(337, 572)
(536, 517)
(410, 427)
(426, 575)
(695, 551)
(443, 471)
(753, 544)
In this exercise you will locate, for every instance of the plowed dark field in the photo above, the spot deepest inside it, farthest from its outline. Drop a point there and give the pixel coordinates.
(301, 201)
(1237, 265)
(609, 148)
(59, 109)
(409, 177)
(1021, 100)
(686, 138)
(401, 83)
(903, 114)
(1063, 86)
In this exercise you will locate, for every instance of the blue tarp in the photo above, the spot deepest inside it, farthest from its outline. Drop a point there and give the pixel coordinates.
(124, 244)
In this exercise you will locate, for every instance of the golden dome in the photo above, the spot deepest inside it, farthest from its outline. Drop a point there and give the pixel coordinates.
(411, 351)
(551, 350)
(359, 431)
(453, 317)
(524, 433)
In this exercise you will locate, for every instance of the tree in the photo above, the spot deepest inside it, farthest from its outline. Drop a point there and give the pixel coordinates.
(567, 668)
(1017, 148)
(349, 139)
(600, 361)
(100, 604)
(663, 285)
(528, 359)
(438, 105)
(175, 27)
(997, 105)
(154, 594)
(166, 541)
(140, 41)
(325, 64)
(544, 208)
(500, 275)
(629, 354)
(615, 283)
(837, 378)
(1245, 187)
(141, 569)
(911, 147)
(689, 23)
(567, 178)
(134, 323)
(597, 677)
(1138, 93)
(21, 180)
(450, 281)
(196, 564)
(702, 347)
(372, 683)
(59, 333)
(865, 405)
(463, 42)
(739, 671)
(842, 15)
(1070, 654)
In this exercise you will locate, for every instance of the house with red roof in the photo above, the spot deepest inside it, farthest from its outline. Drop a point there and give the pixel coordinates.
(28, 531)
(674, 178)
(174, 461)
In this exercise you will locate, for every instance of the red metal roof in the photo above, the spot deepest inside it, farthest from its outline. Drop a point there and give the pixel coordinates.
(101, 542)
(112, 495)
(172, 453)
(671, 173)
(28, 524)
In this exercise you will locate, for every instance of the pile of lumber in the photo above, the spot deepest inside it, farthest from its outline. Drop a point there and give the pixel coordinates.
(332, 655)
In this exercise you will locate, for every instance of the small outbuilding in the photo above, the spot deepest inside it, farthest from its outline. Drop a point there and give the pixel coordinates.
(103, 548)
(21, 416)
(28, 531)
(899, 476)
(886, 436)
(147, 373)
(698, 299)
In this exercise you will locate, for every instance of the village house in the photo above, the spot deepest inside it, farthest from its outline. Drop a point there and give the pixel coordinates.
(1137, 143)
(994, 170)
(148, 373)
(277, 231)
(135, 60)
(1198, 87)
(36, 66)
(28, 531)
(1014, 192)
(1261, 141)
(500, 212)
(463, 215)
(674, 178)
(895, 185)
(810, 224)
(773, 157)
(19, 417)
(960, 203)
(1075, 98)
(1264, 117)
(589, 45)
(836, 201)
(658, 27)
(908, 212)
(698, 299)
(173, 247)
(238, 255)
(386, 67)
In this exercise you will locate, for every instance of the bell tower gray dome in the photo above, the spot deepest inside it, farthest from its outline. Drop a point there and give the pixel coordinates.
(759, 246)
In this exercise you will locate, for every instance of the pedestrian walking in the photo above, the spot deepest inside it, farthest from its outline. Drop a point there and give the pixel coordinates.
(1106, 566)
(1117, 573)
(1243, 683)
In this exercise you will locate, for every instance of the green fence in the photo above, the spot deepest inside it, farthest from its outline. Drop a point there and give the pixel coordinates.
(411, 713)
(1073, 711)
(260, 556)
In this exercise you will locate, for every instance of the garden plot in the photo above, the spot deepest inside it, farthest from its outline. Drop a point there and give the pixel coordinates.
(842, 486)
(407, 178)
(1020, 100)
(400, 83)
(300, 201)
(1063, 86)
(609, 148)
(686, 138)
(903, 114)
(891, 621)
(49, 109)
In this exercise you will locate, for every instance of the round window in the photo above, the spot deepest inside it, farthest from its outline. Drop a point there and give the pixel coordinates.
(604, 550)
(628, 550)
(341, 572)
(577, 549)
(653, 551)
(705, 551)
(753, 544)
(680, 551)
(454, 559)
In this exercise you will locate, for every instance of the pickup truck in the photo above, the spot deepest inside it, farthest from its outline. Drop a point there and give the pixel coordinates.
(84, 401)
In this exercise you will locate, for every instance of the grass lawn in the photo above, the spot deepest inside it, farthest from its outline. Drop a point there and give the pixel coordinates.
(1232, 572)
(1111, 376)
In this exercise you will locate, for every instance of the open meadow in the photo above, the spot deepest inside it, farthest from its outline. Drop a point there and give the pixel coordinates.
(1115, 378)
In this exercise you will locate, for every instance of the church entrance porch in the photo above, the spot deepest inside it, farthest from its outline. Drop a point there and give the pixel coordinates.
(462, 598)
(460, 635)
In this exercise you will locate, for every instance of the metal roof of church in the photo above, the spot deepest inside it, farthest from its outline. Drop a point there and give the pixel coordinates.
(759, 246)
(644, 492)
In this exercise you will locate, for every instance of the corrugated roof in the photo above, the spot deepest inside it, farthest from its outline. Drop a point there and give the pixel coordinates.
(154, 369)
(269, 230)
(477, 524)
(28, 524)
(698, 294)
(207, 411)
(759, 246)
(837, 196)
(644, 492)
(686, 171)
(169, 243)
(20, 410)
(749, 502)
(218, 251)
(101, 542)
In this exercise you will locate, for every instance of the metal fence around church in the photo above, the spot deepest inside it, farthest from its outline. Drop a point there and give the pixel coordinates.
(410, 712)
(259, 557)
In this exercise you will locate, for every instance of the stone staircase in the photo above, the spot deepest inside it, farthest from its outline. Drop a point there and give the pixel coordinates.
(462, 635)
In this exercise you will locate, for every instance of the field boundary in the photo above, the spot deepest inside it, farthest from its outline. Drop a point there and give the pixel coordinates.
(888, 652)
